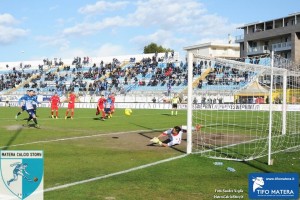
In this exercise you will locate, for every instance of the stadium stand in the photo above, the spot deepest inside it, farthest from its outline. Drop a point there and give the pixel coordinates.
(145, 74)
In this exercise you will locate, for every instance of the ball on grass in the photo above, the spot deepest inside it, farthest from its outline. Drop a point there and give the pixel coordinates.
(128, 111)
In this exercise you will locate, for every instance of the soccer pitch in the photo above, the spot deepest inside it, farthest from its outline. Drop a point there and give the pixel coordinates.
(86, 158)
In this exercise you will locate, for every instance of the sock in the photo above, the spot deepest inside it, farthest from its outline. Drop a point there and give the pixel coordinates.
(29, 118)
(35, 121)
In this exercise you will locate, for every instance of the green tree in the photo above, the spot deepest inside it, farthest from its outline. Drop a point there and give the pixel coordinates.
(153, 48)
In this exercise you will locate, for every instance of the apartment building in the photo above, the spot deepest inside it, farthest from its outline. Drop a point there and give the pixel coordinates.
(280, 35)
(213, 49)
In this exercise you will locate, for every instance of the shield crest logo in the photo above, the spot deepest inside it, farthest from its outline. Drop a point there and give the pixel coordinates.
(22, 174)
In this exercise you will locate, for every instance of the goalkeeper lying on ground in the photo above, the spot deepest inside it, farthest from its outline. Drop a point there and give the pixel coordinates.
(174, 136)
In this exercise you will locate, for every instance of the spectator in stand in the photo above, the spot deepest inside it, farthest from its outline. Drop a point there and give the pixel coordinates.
(54, 101)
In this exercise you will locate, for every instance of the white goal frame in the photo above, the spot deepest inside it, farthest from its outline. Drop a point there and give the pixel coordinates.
(245, 66)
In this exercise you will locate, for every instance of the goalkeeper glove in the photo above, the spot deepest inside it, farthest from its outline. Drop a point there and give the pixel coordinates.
(159, 142)
(154, 140)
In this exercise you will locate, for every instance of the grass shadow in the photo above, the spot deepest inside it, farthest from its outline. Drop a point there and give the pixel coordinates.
(166, 114)
(12, 139)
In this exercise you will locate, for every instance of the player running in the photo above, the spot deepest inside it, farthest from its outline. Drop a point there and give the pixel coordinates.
(107, 107)
(21, 103)
(29, 104)
(19, 169)
(100, 107)
(112, 107)
(35, 101)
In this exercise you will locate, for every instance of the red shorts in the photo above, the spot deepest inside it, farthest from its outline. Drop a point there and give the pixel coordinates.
(54, 107)
(71, 105)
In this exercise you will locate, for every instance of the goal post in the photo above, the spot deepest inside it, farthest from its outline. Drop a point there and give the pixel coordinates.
(189, 106)
(246, 109)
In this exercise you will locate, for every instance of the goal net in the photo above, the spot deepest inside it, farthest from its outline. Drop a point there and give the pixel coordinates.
(247, 108)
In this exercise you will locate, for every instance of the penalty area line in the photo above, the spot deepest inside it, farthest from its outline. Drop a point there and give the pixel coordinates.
(71, 138)
(113, 174)
(77, 137)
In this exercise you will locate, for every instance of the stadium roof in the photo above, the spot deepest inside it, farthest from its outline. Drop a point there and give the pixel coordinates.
(259, 22)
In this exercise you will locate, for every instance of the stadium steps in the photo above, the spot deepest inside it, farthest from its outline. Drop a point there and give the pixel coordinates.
(21, 84)
(196, 81)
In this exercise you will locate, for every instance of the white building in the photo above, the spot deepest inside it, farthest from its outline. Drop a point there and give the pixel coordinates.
(212, 49)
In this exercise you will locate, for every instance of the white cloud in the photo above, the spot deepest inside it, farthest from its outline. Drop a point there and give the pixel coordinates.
(185, 17)
(104, 50)
(7, 19)
(171, 23)
(53, 8)
(161, 37)
(109, 49)
(60, 43)
(103, 6)
(87, 28)
(167, 13)
(10, 34)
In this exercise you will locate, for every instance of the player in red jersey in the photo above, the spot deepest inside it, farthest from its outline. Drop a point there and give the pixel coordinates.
(71, 105)
(54, 101)
(100, 107)
(112, 106)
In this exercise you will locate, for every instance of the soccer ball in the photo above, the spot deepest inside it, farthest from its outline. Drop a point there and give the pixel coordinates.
(128, 111)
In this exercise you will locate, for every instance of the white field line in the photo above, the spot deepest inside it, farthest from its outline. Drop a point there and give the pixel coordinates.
(113, 174)
(75, 138)
(99, 177)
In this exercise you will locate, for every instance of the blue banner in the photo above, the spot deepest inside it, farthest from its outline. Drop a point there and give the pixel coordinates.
(273, 185)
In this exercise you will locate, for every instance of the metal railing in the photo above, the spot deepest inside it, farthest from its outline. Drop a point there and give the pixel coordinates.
(282, 46)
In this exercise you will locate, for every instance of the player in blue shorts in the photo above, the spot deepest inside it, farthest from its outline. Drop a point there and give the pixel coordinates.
(107, 107)
(21, 103)
(29, 103)
(35, 102)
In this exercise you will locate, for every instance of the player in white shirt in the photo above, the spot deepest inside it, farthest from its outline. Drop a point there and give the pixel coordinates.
(174, 136)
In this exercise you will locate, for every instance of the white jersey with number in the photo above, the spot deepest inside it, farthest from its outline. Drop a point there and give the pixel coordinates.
(174, 139)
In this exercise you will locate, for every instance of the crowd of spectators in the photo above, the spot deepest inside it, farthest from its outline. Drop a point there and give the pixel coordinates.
(118, 76)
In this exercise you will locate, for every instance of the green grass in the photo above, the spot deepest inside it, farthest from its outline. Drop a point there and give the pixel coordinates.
(105, 152)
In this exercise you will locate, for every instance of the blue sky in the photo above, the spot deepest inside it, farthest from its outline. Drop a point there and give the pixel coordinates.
(37, 29)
